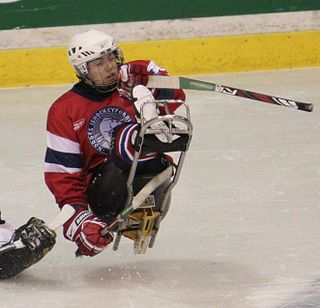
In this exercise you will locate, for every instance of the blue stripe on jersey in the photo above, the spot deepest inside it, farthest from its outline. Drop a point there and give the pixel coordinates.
(123, 145)
(68, 160)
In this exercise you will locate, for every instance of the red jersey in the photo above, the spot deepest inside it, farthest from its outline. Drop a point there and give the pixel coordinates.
(79, 132)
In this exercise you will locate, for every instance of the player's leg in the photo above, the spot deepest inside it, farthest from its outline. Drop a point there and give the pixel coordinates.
(107, 191)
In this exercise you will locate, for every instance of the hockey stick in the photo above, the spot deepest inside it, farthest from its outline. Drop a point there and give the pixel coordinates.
(64, 215)
(173, 82)
(139, 198)
(136, 202)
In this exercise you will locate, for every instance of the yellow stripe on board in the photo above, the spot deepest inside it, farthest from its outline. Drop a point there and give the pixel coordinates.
(44, 66)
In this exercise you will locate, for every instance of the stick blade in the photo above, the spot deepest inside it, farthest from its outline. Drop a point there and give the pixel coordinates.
(305, 107)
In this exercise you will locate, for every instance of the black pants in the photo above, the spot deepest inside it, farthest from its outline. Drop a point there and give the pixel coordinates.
(107, 192)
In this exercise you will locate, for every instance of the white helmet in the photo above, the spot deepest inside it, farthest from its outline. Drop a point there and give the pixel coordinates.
(88, 46)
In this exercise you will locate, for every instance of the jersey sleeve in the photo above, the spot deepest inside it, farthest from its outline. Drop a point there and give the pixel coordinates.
(159, 94)
(63, 160)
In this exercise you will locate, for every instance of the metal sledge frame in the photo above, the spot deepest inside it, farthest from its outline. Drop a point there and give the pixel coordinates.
(171, 131)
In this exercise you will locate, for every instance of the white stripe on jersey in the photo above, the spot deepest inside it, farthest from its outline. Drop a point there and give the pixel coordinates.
(48, 167)
(61, 144)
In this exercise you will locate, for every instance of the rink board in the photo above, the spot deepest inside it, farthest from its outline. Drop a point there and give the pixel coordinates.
(42, 66)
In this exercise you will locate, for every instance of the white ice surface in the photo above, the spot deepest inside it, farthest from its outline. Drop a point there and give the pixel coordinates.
(243, 227)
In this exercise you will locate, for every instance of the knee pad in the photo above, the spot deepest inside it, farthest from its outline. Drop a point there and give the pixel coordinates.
(107, 191)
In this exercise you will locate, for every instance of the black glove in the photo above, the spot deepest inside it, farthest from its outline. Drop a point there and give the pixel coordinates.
(36, 235)
(38, 240)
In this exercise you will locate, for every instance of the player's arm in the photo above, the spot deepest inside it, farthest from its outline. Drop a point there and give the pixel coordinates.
(64, 176)
(63, 160)
(136, 73)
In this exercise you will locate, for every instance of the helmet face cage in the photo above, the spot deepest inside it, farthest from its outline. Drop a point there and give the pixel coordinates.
(82, 71)
(89, 46)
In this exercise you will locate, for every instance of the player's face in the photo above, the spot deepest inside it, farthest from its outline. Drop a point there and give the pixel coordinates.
(104, 70)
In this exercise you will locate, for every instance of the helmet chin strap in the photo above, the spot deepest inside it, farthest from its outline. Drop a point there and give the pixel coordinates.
(101, 88)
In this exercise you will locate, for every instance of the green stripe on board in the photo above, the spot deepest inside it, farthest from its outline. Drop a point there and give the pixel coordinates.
(50, 13)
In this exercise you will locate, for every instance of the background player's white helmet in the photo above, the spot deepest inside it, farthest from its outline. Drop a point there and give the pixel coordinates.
(89, 46)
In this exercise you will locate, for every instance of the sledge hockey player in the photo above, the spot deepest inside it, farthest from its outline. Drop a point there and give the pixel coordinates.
(91, 132)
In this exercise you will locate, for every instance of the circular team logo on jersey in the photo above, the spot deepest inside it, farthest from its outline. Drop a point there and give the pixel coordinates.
(102, 124)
